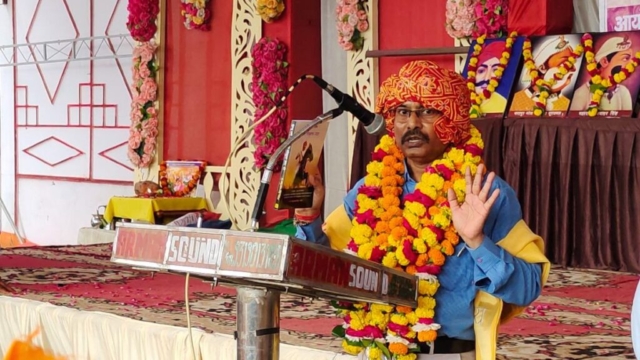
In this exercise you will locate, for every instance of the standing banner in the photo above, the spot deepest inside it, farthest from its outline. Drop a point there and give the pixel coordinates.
(619, 15)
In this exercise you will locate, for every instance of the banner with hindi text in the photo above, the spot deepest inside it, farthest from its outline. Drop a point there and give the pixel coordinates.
(619, 15)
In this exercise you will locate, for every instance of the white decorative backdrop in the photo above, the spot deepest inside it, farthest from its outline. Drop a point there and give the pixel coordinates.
(69, 119)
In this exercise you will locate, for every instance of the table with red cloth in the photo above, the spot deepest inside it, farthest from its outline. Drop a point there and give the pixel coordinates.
(578, 181)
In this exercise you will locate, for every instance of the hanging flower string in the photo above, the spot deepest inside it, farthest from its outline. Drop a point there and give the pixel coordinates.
(491, 18)
(270, 72)
(415, 235)
(460, 18)
(142, 19)
(144, 114)
(351, 22)
(598, 85)
(537, 79)
(494, 82)
(196, 14)
(270, 10)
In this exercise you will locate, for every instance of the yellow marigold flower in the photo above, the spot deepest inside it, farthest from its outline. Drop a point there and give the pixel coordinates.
(588, 43)
(473, 61)
(606, 83)
(420, 245)
(350, 349)
(371, 180)
(491, 88)
(630, 67)
(434, 180)
(411, 356)
(597, 97)
(375, 353)
(415, 208)
(425, 313)
(504, 61)
(399, 319)
(413, 220)
(426, 302)
(390, 260)
(593, 112)
(471, 86)
(498, 72)
(494, 82)
(456, 155)
(427, 190)
(441, 220)
(623, 76)
(398, 348)
(427, 336)
(375, 168)
(356, 322)
(381, 308)
(477, 48)
(617, 78)
(402, 260)
(364, 250)
(428, 287)
(471, 74)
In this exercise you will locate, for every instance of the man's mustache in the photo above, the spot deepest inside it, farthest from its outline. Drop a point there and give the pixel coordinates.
(616, 70)
(414, 133)
(482, 83)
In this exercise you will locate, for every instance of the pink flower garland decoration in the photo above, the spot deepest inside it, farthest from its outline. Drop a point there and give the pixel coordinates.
(351, 21)
(195, 14)
(142, 19)
(270, 73)
(460, 18)
(491, 18)
(144, 115)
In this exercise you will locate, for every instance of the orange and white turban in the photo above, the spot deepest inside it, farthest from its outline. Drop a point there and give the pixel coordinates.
(433, 87)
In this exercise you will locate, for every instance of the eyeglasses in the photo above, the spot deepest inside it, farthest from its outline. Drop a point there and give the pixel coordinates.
(426, 115)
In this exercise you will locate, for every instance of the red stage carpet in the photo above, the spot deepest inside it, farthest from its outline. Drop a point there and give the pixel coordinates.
(583, 314)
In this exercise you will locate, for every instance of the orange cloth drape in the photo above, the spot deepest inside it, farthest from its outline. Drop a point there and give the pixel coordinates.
(27, 350)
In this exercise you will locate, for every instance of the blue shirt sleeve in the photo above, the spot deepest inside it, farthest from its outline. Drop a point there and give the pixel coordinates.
(313, 231)
(497, 272)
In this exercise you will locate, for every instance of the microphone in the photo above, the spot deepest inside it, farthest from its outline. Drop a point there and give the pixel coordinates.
(374, 124)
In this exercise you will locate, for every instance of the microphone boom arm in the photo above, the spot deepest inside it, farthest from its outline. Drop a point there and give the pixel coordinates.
(268, 171)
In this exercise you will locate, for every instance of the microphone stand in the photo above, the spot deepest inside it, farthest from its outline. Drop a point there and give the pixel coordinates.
(268, 171)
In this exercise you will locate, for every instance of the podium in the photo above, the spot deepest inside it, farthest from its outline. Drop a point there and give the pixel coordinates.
(262, 266)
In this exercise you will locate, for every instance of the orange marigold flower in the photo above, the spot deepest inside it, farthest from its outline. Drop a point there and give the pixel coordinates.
(403, 309)
(452, 236)
(426, 222)
(455, 177)
(387, 171)
(381, 239)
(399, 232)
(441, 200)
(395, 222)
(436, 257)
(382, 227)
(434, 211)
(447, 185)
(388, 181)
(398, 348)
(422, 260)
(411, 270)
(386, 216)
(427, 336)
(389, 160)
(447, 248)
(399, 167)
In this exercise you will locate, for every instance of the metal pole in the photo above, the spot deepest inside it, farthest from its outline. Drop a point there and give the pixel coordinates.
(258, 324)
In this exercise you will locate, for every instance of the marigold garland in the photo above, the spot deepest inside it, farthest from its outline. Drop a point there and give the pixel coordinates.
(144, 114)
(414, 235)
(270, 71)
(270, 10)
(494, 82)
(196, 14)
(141, 21)
(598, 85)
(351, 22)
(544, 86)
